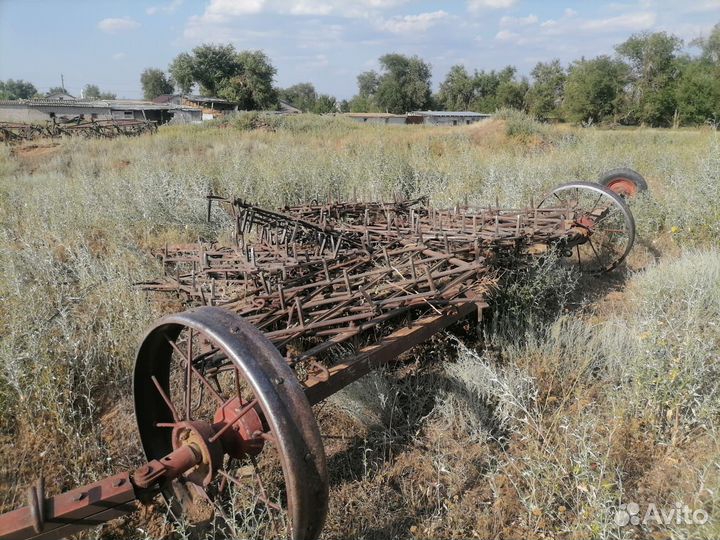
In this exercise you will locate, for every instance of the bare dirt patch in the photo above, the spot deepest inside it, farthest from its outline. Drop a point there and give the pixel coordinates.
(32, 155)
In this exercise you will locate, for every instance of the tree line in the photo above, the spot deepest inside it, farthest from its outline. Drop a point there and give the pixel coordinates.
(19, 89)
(649, 80)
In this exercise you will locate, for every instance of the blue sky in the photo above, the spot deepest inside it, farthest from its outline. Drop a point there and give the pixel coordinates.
(327, 42)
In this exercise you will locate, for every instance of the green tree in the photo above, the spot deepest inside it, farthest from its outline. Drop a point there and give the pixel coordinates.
(512, 93)
(544, 98)
(213, 66)
(360, 103)
(155, 83)
(365, 101)
(181, 71)
(457, 91)
(92, 91)
(251, 87)
(698, 92)
(17, 89)
(56, 90)
(594, 89)
(301, 95)
(488, 85)
(244, 77)
(654, 70)
(710, 46)
(325, 104)
(368, 83)
(404, 84)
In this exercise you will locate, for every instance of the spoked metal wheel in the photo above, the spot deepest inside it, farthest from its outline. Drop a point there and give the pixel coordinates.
(601, 228)
(208, 378)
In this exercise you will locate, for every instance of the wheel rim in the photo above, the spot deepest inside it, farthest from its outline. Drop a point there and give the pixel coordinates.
(623, 186)
(602, 229)
(269, 464)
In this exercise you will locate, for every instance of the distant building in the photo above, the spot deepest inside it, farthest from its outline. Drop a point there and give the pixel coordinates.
(288, 108)
(61, 95)
(379, 118)
(70, 110)
(431, 118)
(211, 107)
(449, 118)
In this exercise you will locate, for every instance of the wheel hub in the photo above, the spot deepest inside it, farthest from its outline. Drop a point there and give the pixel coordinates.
(239, 440)
(198, 435)
(623, 186)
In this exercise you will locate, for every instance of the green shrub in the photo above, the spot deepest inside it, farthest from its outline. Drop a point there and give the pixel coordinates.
(520, 125)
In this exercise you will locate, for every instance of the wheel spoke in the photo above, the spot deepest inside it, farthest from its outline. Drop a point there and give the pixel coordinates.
(196, 378)
(577, 249)
(605, 217)
(597, 255)
(242, 412)
(244, 485)
(596, 203)
(207, 385)
(263, 491)
(188, 376)
(238, 390)
(166, 399)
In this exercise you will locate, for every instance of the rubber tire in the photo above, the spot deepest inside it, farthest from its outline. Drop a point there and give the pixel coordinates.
(624, 172)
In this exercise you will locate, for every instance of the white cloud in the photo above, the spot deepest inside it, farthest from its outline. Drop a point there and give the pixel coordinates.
(411, 24)
(529, 31)
(506, 35)
(630, 22)
(119, 56)
(310, 8)
(218, 20)
(318, 61)
(510, 22)
(164, 8)
(570, 24)
(115, 25)
(479, 5)
(704, 5)
(517, 38)
(220, 11)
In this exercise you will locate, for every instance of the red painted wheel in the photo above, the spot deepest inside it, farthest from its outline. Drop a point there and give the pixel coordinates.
(623, 181)
(207, 377)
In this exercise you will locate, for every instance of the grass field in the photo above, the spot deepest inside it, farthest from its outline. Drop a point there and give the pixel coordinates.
(583, 398)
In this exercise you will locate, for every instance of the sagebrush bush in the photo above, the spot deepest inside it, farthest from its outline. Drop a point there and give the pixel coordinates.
(531, 293)
(591, 402)
(674, 372)
(521, 125)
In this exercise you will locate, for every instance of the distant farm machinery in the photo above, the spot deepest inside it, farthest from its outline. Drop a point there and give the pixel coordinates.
(99, 129)
(301, 303)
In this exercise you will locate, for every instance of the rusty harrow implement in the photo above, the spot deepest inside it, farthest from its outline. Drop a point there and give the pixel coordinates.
(300, 303)
(99, 129)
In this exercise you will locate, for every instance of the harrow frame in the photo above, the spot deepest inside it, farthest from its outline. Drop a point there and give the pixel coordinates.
(273, 315)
